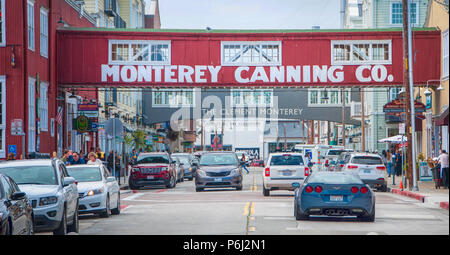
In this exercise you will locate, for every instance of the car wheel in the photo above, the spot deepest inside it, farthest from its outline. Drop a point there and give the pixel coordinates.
(384, 188)
(75, 227)
(172, 183)
(31, 226)
(368, 218)
(190, 179)
(132, 186)
(62, 228)
(299, 215)
(239, 187)
(8, 228)
(107, 211)
(198, 189)
(116, 211)
(266, 192)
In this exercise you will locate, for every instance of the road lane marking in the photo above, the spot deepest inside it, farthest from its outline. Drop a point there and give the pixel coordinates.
(133, 197)
(252, 209)
(251, 229)
(246, 208)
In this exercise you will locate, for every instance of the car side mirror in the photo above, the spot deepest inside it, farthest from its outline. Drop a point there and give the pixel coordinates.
(68, 180)
(296, 185)
(18, 195)
(111, 179)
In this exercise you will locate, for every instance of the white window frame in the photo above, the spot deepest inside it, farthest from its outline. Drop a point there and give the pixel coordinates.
(43, 106)
(31, 26)
(319, 102)
(3, 123)
(224, 63)
(359, 62)
(401, 24)
(445, 57)
(165, 104)
(43, 32)
(253, 104)
(31, 114)
(149, 62)
(3, 24)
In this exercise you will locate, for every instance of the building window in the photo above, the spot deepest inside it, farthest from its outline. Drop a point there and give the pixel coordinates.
(43, 106)
(397, 13)
(139, 52)
(2, 23)
(328, 97)
(251, 53)
(445, 54)
(31, 115)
(30, 25)
(44, 33)
(394, 93)
(361, 52)
(173, 98)
(252, 98)
(2, 116)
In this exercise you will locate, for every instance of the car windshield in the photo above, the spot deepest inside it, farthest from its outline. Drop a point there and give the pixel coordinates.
(42, 175)
(367, 160)
(290, 160)
(335, 152)
(182, 159)
(218, 159)
(85, 174)
(153, 159)
(334, 179)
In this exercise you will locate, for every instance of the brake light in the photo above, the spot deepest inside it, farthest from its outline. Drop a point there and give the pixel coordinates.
(309, 189)
(306, 171)
(354, 190)
(326, 162)
(352, 166)
(342, 165)
(267, 172)
(364, 190)
(380, 179)
(381, 168)
(318, 189)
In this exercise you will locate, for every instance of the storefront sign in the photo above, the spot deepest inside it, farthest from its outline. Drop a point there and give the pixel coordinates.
(428, 103)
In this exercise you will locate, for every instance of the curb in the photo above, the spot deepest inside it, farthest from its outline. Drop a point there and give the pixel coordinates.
(421, 198)
(444, 205)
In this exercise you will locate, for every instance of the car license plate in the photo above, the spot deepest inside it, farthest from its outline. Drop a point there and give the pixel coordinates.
(286, 172)
(150, 177)
(218, 179)
(336, 198)
(367, 171)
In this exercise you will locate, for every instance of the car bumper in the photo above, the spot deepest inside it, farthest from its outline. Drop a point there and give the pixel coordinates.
(92, 204)
(374, 183)
(47, 218)
(214, 182)
(316, 206)
(188, 174)
(150, 182)
(281, 183)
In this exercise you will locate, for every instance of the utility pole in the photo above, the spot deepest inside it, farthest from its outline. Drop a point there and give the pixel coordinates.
(343, 117)
(363, 123)
(312, 131)
(318, 132)
(410, 115)
(303, 131)
(328, 132)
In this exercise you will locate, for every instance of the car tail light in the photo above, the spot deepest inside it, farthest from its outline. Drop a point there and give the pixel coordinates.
(318, 189)
(326, 162)
(364, 190)
(354, 190)
(381, 168)
(352, 166)
(342, 165)
(380, 179)
(306, 171)
(309, 189)
(267, 172)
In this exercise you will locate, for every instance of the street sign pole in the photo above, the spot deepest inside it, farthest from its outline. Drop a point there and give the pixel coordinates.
(114, 148)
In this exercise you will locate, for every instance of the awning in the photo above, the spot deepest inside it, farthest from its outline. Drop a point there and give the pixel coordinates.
(442, 120)
(393, 139)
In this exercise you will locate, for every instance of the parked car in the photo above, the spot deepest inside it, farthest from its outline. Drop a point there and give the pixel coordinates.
(16, 213)
(282, 170)
(258, 163)
(331, 158)
(218, 170)
(180, 169)
(188, 164)
(156, 168)
(98, 191)
(52, 191)
(369, 167)
(333, 194)
(341, 161)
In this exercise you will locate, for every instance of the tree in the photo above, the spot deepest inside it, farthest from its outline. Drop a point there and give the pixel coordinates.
(136, 139)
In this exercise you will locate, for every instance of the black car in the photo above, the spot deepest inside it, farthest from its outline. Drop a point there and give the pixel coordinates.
(218, 170)
(16, 213)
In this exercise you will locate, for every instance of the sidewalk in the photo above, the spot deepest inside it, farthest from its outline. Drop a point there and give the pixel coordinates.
(427, 193)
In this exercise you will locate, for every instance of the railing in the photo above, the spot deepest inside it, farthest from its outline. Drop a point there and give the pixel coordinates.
(110, 8)
(355, 110)
(119, 22)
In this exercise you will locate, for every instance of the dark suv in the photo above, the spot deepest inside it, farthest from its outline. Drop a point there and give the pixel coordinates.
(156, 168)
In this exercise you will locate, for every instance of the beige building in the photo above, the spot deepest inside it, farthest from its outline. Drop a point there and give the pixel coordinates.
(436, 96)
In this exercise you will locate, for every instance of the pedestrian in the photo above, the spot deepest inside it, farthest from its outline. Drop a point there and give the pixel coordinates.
(77, 160)
(11, 156)
(54, 155)
(389, 162)
(443, 160)
(110, 160)
(398, 163)
(93, 160)
(243, 161)
(100, 154)
(117, 161)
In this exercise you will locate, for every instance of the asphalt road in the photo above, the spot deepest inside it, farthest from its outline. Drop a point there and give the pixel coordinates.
(182, 211)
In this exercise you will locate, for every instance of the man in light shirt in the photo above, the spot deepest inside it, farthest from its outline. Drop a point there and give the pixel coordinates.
(443, 160)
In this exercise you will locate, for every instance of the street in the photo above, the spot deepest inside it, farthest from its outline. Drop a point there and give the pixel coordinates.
(182, 211)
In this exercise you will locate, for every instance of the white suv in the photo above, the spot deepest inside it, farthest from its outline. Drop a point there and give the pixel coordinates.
(283, 169)
(369, 167)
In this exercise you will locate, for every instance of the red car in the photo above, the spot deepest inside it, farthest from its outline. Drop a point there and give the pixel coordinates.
(258, 162)
(151, 169)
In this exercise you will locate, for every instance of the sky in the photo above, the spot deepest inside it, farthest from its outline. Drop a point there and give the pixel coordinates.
(249, 14)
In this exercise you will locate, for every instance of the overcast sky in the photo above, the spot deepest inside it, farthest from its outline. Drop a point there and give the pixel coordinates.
(249, 14)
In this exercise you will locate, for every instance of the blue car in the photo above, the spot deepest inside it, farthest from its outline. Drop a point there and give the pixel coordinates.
(334, 194)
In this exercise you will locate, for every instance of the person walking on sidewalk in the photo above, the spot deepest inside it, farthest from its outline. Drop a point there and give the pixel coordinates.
(443, 160)
(244, 162)
(398, 163)
(389, 162)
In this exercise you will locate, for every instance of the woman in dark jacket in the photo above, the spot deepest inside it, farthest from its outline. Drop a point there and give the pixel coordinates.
(398, 163)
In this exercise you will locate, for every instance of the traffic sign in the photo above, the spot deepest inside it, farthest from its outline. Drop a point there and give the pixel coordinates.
(12, 149)
(16, 127)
